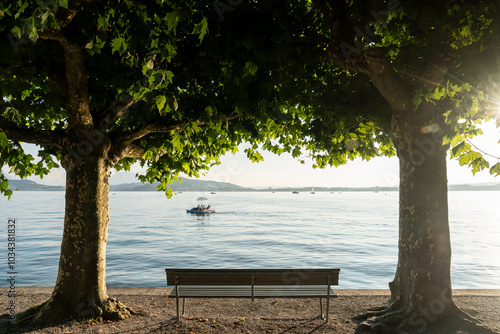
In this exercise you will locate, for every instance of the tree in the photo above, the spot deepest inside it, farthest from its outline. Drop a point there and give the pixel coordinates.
(100, 85)
(412, 78)
(96, 86)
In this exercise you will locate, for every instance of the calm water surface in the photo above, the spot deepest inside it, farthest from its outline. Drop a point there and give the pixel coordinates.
(357, 232)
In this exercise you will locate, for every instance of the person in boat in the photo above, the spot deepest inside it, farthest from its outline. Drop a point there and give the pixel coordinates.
(207, 208)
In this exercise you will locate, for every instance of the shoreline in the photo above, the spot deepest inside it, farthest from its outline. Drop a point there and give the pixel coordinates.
(157, 314)
(155, 290)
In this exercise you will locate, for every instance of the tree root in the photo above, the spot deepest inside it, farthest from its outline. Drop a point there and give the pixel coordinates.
(51, 312)
(390, 306)
(410, 319)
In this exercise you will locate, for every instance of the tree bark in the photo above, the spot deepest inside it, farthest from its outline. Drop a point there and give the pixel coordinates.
(80, 290)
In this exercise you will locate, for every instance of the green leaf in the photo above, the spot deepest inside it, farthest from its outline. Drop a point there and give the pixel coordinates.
(296, 152)
(474, 109)
(4, 185)
(176, 142)
(479, 164)
(416, 100)
(63, 3)
(456, 139)
(251, 68)
(148, 155)
(147, 66)
(468, 158)
(119, 44)
(172, 20)
(170, 76)
(160, 102)
(17, 31)
(4, 142)
(495, 170)
(459, 149)
(201, 29)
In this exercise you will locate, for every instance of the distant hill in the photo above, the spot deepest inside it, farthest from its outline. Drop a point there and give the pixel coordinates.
(186, 185)
(332, 189)
(474, 187)
(27, 185)
(453, 187)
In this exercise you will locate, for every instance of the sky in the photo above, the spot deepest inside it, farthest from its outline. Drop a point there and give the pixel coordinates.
(285, 171)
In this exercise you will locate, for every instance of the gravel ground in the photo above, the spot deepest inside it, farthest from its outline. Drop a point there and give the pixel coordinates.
(157, 314)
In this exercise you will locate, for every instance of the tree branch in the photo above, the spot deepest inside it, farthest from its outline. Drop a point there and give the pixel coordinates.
(126, 146)
(116, 109)
(386, 80)
(146, 129)
(340, 50)
(132, 150)
(40, 137)
(78, 106)
(65, 16)
(436, 71)
(372, 62)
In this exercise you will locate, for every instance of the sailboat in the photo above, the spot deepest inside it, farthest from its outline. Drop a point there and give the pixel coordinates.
(312, 190)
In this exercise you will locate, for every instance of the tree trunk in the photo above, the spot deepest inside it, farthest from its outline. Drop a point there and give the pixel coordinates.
(421, 294)
(80, 289)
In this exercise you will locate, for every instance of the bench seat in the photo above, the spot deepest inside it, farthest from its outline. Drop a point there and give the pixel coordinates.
(260, 291)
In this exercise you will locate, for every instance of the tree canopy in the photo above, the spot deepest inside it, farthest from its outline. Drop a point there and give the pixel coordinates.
(163, 86)
(445, 54)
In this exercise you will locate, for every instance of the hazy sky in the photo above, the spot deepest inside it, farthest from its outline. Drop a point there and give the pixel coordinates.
(285, 171)
(282, 171)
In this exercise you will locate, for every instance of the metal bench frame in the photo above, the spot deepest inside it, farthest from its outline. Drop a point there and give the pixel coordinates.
(252, 283)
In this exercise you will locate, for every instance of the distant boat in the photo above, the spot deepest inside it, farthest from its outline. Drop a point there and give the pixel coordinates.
(295, 192)
(212, 193)
(312, 190)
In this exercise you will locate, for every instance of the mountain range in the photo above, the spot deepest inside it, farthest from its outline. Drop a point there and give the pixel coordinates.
(213, 186)
(185, 185)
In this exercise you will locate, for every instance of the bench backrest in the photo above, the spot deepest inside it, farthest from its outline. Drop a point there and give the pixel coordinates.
(252, 276)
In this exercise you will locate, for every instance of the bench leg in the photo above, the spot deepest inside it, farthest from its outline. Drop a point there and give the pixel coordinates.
(179, 314)
(321, 307)
(327, 307)
(177, 304)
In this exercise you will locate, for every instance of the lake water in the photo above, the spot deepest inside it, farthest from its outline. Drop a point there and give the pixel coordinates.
(354, 231)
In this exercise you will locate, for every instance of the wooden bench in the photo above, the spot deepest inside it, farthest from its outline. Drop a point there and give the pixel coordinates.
(252, 283)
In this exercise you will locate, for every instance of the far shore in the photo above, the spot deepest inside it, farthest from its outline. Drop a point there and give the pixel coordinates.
(156, 313)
